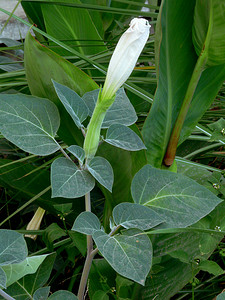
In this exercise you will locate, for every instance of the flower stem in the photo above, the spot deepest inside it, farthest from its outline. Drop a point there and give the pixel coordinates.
(174, 138)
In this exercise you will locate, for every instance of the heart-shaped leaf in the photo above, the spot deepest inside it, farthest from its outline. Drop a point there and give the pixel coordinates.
(130, 253)
(30, 123)
(78, 152)
(133, 215)
(13, 248)
(29, 266)
(66, 295)
(86, 223)
(121, 111)
(179, 200)
(102, 171)
(68, 181)
(123, 137)
(41, 293)
(72, 102)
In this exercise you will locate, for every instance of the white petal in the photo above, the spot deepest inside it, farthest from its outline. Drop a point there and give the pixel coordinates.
(125, 56)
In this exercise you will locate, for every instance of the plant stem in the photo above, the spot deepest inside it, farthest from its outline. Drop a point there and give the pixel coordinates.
(174, 138)
(5, 295)
(90, 255)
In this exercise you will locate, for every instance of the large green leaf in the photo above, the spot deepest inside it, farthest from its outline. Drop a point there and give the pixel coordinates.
(129, 253)
(41, 66)
(64, 23)
(72, 102)
(102, 171)
(177, 59)
(41, 293)
(16, 271)
(66, 295)
(13, 248)
(68, 180)
(133, 215)
(123, 137)
(209, 30)
(30, 123)
(179, 200)
(120, 112)
(24, 288)
(86, 223)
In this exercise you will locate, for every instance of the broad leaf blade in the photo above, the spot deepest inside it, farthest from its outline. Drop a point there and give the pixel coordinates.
(210, 14)
(129, 254)
(27, 285)
(29, 266)
(123, 137)
(66, 295)
(179, 200)
(41, 293)
(78, 152)
(72, 102)
(41, 66)
(121, 111)
(86, 223)
(30, 123)
(85, 38)
(13, 248)
(102, 171)
(68, 181)
(133, 215)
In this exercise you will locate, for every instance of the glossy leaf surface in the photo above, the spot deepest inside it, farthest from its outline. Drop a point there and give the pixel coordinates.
(41, 66)
(209, 30)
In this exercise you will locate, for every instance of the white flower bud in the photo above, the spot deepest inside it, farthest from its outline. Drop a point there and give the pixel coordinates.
(125, 56)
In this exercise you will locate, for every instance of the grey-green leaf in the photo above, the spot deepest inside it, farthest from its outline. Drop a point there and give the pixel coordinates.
(78, 152)
(86, 223)
(30, 123)
(3, 279)
(102, 171)
(68, 181)
(123, 137)
(65, 295)
(121, 111)
(72, 102)
(16, 271)
(13, 248)
(176, 198)
(133, 215)
(41, 293)
(130, 253)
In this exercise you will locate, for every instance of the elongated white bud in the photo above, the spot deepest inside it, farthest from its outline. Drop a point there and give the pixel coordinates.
(125, 56)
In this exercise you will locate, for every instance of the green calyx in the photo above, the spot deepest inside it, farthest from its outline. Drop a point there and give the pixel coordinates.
(92, 137)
